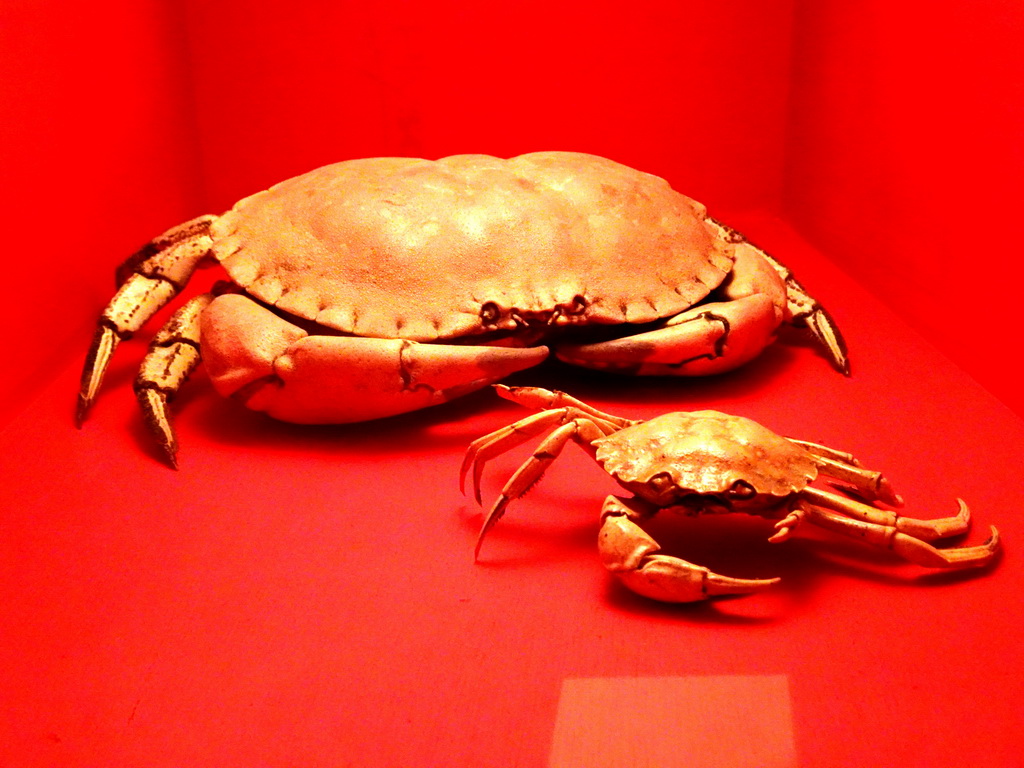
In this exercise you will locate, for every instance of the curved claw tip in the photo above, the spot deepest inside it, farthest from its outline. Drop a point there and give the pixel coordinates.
(717, 585)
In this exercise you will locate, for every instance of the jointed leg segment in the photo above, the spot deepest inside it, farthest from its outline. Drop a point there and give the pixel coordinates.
(869, 484)
(147, 280)
(804, 310)
(173, 354)
(571, 424)
(908, 537)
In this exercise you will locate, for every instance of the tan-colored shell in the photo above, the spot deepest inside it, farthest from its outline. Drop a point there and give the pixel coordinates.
(707, 452)
(407, 248)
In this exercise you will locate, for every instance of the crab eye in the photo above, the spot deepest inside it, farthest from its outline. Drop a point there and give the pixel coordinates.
(577, 306)
(489, 313)
(661, 482)
(741, 489)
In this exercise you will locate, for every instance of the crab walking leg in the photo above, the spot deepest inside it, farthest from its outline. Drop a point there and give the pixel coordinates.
(582, 430)
(926, 530)
(147, 281)
(541, 399)
(632, 555)
(907, 545)
(803, 309)
(870, 483)
(826, 452)
(272, 365)
(485, 448)
(173, 354)
(845, 467)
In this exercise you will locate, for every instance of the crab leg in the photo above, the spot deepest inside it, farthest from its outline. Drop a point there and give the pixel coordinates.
(718, 336)
(173, 355)
(546, 399)
(557, 408)
(580, 429)
(905, 536)
(803, 309)
(826, 452)
(147, 281)
(485, 448)
(871, 484)
(928, 530)
(844, 467)
(632, 555)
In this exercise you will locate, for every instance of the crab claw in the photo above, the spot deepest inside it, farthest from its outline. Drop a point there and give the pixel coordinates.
(632, 555)
(274, 366)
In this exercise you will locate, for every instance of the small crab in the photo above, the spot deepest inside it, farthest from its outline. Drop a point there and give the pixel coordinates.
(706, 462)
(373, 287)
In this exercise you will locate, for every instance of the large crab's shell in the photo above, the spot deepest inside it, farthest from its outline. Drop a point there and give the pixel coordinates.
(400, 247)
(707, 452)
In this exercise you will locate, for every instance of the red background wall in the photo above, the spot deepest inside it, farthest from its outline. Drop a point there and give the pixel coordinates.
(904, 165)
(887, 137)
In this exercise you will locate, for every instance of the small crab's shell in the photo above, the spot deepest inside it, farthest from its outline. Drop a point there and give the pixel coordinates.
(416, 249)
(706, 452)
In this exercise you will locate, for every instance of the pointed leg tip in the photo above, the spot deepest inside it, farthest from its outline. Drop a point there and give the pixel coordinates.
(830, 340)
(837, 358)
(154, 412)
(887, 495)
(82, 411)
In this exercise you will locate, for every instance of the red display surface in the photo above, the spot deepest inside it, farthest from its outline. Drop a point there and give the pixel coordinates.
(307, 596)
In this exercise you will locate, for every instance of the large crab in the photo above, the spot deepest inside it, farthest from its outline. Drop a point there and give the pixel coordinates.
(373, 287)
(708, 462)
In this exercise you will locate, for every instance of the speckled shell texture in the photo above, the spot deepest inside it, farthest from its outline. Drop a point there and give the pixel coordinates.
(407, 248)
(707, 452)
